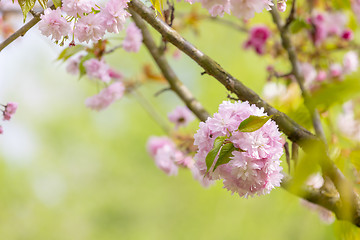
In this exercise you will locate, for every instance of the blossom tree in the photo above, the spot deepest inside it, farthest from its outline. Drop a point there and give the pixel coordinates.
(308, 115)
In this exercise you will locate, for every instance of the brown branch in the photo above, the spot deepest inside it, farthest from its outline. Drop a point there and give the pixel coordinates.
(294, 131)
(175, 84)
(287, 45)
(24, 29)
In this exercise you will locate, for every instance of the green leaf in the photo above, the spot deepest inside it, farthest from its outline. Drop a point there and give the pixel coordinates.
(43, 3)
(336, 93)
(81, 63)
(253, 123)
(158, 5)
(57, 3)
(225, 154)
(298, 24)
(214, 151)
(355, 159)
(26, 6)
(70, 51)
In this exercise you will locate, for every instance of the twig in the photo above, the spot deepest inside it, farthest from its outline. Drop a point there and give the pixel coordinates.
(287, 45)
(23, 30)
(175, 84)
(291, 16)
(161, 91)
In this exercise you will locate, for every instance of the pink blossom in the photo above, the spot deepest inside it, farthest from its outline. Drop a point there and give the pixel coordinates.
(216, 7)
(181, 116)
(106, 96)
(1, 130)
(327, 25)
(6, 116)
(246, 9)
(114, 15)
(347, 35)
(77, 8)
(281, 5)
(273, 90)
(255, 171)
(97, 69)
(89, 27)
(309, 73)
(350, 62)
(321, 76)
(336, 70)
(11, 107)
(348, 124)
(355, 5)
(155, 143)
(257, 39)
(133, 39)
(205, 182)
(52, 23)
(73, 65)
(165, 160)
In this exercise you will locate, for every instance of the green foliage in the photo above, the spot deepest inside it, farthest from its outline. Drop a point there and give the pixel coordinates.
(70, 51)
(341, 4)
(225, 154)
(57, 3)
(26, 6)
(299, 24)
(253, 123)
(355, 159)
(81, 63)
(158, 5)
(336, 93)
(43, 3)
(213, 153)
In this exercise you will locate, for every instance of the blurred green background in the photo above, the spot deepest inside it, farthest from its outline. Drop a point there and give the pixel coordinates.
(70, 173)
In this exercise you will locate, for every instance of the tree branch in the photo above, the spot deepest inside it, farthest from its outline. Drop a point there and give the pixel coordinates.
(24, 29)
(287, 45)
(294, 131)
(175, 84)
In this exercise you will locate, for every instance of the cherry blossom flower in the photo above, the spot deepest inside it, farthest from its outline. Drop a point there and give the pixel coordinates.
(89, 27)
(106, 96)
(1, 130)
(97, 69)
(73, 65)
(77, 8)
(114, 15)
(274, 90)
(52, 23)
(347, 123)
(256, 170)
(133, 39)
(246, 9)
(309, 73)
(181, 116)
(257, 39)
(336, 70)
(350, 62)
(281, 5)
(11, 108)
(155, 143)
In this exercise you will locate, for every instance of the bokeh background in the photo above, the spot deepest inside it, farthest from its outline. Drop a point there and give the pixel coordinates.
(67, 172)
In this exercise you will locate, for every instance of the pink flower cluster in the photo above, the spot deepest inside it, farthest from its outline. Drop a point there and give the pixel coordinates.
(133, 39)
(347, 122)
(336, 70)
(8, 112)
(329, 24)
(98, 69)
(89, 22)
(168, 158)
(106, 96)
(244, 9)
(181, 116)
(257, 39)
(254, 170)
(281, 5)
